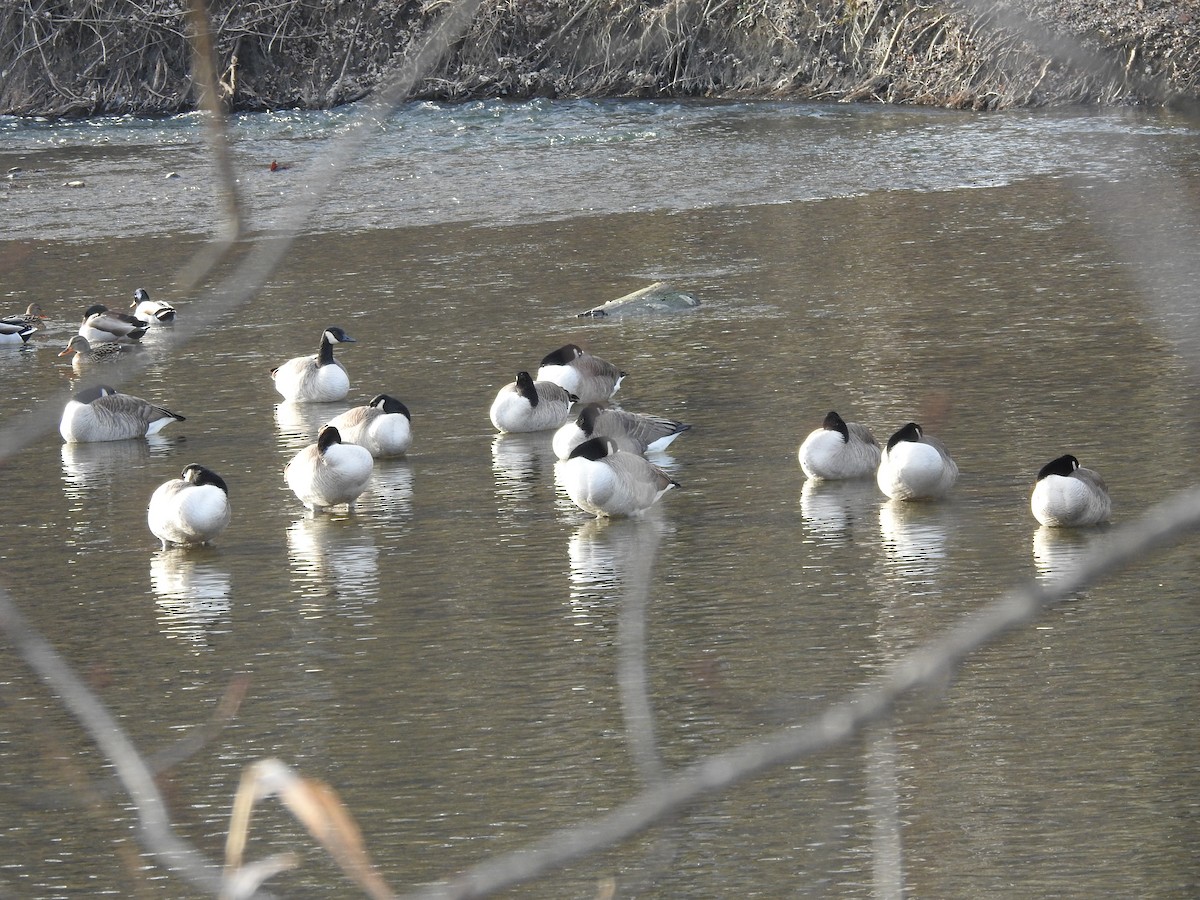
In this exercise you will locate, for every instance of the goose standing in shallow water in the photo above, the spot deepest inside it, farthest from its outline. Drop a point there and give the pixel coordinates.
(588, 377)
(528, 405)
(101, 324)
(635, 432)
(151, 310)
(604, 480)
(101, 414)
(839, 449)
(15, 333)
(915, 466)
(1067, 494)
(315, 379)
(383, 426)
(191, 509)
(82, 351)
(329, 472)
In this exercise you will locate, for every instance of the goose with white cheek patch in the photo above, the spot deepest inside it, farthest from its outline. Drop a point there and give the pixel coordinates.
(604, 480)
(315, 379)
(189, 510)
(329, 472)
(915, 466)
(635, 432)
(151, 310)
(527, 405)
(101, 414)
(383, 426)
(16, 334)
(588, 377)
(1067, 494)
(840, 450)
(101, 324)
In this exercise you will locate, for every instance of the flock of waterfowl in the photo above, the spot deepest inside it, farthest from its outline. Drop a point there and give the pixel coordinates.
(601, 449)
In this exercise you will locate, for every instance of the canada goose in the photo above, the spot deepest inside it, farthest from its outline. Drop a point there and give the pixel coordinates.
(1067, 494)
(33, 315)
(316, 379)
(84, 351)
(15, 333)
(528, 405)
(102, 324)
(383, 426)
(839, 449)
(604, 480)
(101, 414)
(329, 472)
(588, 377)
(151, 310)
(915, 466)
(635, 432)
(190, 509)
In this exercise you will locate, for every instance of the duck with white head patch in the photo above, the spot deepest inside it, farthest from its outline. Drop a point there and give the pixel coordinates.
(528, 405)
(635, 432)
(604, 480)
(329, 472)
(839, 450)
(189, 510)
(383, 426)
(1068, 495)
(588, 377)
(101, 414)
(15, 334)
(315, 379)
(915, 466)
(102, 324)
(151, 310)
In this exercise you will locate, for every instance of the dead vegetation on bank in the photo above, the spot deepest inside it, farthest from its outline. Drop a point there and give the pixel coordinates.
(131, 56)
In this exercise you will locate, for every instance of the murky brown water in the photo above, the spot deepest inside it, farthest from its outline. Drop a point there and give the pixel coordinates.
(449, 656)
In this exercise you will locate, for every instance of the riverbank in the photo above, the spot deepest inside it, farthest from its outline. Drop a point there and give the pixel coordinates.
(985, 55)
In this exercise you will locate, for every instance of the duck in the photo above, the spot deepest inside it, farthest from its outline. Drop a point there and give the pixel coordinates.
(102, 324)
(588, 377)
(839, 450)
(635, 432)
(915, 466)
(100, 413)
(151, 310)
(315, 379)
(1067, 494)
(604, 480)
(33, 315)
(16, 334)
(85, 352)
(383, 426)
(329, 472)
(191, 509)
(528, 405)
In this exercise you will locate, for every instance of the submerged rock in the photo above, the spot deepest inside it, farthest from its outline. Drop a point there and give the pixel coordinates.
(660, 297)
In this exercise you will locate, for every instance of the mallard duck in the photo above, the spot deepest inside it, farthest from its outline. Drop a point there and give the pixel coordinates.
(588, 377)
(190, 509)
(15, 333)
(915, 466)
(383, 426)
(33, 315)
(1067, 494)
(604, 480)
(101, 324)
(101, 414)
(315, 379)
(329, 472)
(839, 449)
(636, 432)
(528, 405)
(151, 310)
(85, 352)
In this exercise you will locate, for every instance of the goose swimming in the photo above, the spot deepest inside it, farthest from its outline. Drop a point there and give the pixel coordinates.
(588, 377)
(528, 405)
(101, 414)
(315, 379)
(191, 509)
(915, 466)
(839, 449)
(604, 480)
(635, 432)
(329, 472)
(383, 426)
(1067, 494)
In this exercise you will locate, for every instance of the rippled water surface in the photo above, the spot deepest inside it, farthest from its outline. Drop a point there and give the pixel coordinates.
(461, 657)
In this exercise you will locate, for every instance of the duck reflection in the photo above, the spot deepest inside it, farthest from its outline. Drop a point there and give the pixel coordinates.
(193, 595)
(830, 509)
(334, 562)
(1057, 551)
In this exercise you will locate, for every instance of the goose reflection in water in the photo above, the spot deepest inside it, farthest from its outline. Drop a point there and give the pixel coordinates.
(602, 552)
(831, 509)
(192, 593)
(390, 490)
(914, 538)
(298, 423)
(334, 559)
(1057, 551)
(520, 462)
(97, 477)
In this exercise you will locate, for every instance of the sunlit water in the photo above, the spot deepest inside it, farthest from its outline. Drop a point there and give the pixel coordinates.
(458, 658)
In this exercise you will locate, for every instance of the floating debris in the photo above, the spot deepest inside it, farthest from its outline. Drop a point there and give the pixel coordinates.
(660, 297)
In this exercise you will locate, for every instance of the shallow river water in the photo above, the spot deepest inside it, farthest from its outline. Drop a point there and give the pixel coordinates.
(454, 657)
